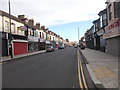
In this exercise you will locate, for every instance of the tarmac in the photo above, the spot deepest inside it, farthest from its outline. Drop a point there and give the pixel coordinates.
(102, 67)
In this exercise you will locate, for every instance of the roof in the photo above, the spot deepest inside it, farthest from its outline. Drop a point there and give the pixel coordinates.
(10, 16)
(96, 21)
(102, 12)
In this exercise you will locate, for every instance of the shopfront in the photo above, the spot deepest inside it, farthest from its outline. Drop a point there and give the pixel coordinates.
(33, 44)
(4, 40)
(42, 44)
(112, 36)
(20, 47)
(20, 44)
(101, 40)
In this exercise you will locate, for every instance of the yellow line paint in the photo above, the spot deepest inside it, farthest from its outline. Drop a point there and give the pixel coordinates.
(80, 81)
(81, 69)
(84, 79)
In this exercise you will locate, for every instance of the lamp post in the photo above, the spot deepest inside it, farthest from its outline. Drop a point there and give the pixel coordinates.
(10, 35)
(78, 36)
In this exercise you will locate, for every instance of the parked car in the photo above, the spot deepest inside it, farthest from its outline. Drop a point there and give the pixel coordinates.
(50, 49)
(75, 46)
(82, 47)
(60, 47)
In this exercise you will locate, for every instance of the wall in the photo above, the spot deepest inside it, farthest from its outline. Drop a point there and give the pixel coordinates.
(112, 46)
(0, 23)
(17, 24)
(112, 6)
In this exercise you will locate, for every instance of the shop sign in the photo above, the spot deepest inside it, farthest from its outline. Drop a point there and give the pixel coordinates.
(100, 32)
(114, 25)
(42, 40)
(112, 30)
(47, 42)
(18, 28)
(31, 38)
(23, 28)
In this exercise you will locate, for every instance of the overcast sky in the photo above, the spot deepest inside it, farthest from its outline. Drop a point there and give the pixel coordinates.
(52, 13)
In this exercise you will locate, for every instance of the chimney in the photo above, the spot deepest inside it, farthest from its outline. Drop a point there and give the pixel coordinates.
(21, 17)
(31, 22)
(37, 25)
(43, 27)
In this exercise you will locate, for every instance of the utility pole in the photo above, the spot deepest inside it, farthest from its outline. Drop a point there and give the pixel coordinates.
(10, 35)
(78, 36)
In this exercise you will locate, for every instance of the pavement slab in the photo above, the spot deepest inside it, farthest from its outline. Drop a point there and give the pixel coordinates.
(104, 67)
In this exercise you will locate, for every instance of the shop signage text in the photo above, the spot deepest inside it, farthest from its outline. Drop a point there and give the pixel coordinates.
(114, 25)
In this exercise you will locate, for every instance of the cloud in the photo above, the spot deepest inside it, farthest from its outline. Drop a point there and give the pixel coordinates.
(55, 12)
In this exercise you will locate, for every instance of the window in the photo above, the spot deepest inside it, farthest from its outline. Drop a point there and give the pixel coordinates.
(94, 28)
(97, 25)
(101, 21)
(35, 33)
(110, 12)
(117, 9)
(6, 26)
(13, 28)
(50, 37)
(104, 19)
(40, 35)
(31, 32)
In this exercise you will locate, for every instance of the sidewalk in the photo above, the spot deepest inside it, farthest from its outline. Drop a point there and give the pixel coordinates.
(103, 68)
(8, 58)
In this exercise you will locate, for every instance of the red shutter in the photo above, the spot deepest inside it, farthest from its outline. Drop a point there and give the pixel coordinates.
(20, 48)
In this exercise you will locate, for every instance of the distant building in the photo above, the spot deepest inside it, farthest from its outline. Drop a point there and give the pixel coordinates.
(103, 23)
(96, 36)
(89, 38)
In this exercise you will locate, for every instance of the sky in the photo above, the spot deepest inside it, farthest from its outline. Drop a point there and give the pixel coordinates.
(63, 17)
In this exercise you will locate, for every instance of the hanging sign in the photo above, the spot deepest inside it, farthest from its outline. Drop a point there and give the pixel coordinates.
(23, 28)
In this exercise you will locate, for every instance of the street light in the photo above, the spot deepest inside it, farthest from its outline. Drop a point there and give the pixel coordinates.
(78, 36)
(10, 35)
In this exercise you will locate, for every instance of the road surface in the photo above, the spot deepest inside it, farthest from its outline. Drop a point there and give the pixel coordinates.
(47, 70)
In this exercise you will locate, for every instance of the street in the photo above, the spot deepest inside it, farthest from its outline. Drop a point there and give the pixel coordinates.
(59, 44)
(47, 70)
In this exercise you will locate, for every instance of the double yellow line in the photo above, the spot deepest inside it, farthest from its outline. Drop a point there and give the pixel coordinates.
(82, 81)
